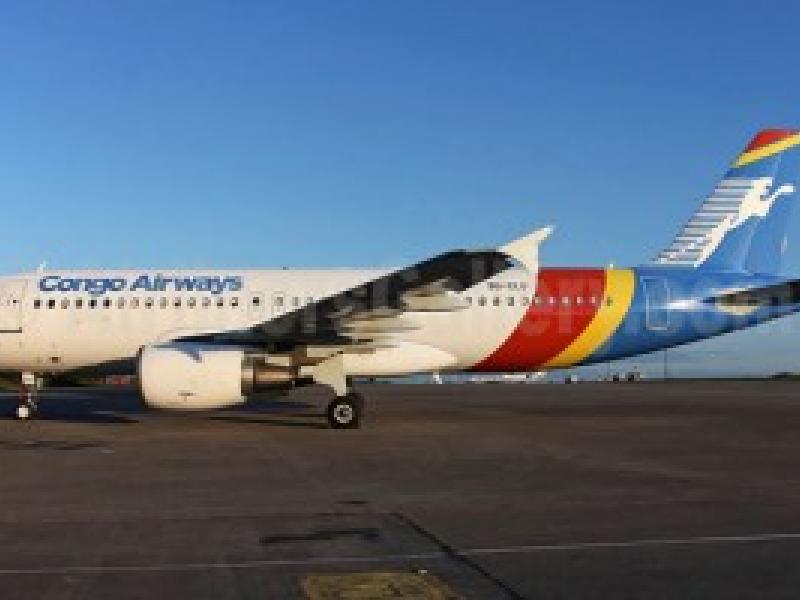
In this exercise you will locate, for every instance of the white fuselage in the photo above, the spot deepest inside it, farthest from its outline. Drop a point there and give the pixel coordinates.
(63, 320)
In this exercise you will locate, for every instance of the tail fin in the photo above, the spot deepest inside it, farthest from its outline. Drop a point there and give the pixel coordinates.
(741, 226)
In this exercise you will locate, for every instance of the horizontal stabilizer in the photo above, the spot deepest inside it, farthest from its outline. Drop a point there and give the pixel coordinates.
(780, 294)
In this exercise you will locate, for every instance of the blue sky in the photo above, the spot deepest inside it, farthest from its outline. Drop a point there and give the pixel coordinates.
(188, 134)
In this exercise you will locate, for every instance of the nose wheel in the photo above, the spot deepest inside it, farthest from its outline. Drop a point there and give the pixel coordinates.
(27, 407)
(26, 411)
(345, 412)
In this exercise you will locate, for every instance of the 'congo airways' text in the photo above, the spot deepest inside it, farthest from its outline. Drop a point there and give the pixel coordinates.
(213, 284)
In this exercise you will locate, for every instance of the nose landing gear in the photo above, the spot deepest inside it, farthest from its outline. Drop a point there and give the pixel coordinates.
(26, 410)
(27, 407)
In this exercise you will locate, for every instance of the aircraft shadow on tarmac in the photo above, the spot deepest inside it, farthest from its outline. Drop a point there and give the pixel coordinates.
(77, 407)
(92, 405)
(270, 421)
(272, 412)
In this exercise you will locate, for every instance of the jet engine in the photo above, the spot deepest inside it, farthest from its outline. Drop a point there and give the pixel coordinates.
(185, 376)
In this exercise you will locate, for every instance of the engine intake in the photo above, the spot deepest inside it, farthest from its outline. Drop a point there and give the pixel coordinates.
(184, 376)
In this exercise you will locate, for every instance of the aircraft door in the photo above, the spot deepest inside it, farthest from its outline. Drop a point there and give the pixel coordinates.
(656, 294)
(12, 295)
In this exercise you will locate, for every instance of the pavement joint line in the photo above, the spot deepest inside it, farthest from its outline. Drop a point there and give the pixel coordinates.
(461, 557)
(709, 539)
(66, 570)
(253, 564)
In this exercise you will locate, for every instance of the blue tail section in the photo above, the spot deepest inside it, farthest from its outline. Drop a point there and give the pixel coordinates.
(769, 240)
(741, 226)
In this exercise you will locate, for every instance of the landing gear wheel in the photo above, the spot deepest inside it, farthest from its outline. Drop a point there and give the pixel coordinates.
(344, 412)
(26, 411)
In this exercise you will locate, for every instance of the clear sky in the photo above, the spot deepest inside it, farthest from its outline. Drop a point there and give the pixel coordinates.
(189, 134)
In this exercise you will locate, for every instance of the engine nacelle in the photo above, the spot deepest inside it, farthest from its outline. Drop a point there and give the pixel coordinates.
(184, 376)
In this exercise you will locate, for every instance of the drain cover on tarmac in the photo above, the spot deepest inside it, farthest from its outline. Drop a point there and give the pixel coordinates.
(376, 586)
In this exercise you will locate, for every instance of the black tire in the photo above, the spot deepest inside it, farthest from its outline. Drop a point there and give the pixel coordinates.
(345, 412)
(26, 411)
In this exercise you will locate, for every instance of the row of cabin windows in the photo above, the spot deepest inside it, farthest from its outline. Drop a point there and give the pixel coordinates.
(280, 301)
(537, 300)
(162, 302)
(296, 301)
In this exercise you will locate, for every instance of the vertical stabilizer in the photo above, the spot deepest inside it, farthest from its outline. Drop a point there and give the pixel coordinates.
(741, 226)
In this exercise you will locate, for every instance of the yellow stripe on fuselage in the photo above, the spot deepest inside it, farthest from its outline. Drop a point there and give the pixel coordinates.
(619, 289)
(769, 150)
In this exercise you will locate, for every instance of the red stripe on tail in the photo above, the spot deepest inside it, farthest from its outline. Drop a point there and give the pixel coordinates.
(767, 137)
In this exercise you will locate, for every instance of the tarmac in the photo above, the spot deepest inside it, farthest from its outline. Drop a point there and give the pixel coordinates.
(629, 490)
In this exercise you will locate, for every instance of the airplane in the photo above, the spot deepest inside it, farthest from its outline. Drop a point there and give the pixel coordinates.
(208, 339)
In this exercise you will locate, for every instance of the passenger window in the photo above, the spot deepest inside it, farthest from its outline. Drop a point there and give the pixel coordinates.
(148, 303)
(51, 304)
(234, 301)
(469, 300)
(106, 302)
(256, 301)
(579, 300)
(65, 303)
(134, 303)
(121, 302)
(565, 300)
(278, 301)
(78, 302)
(593, 300)
(511, 300)
(496, 301)
(609, 301)
(191, 302)
(309, 300)
(37, 303)
(295, 301)
(162, 302)
(92, 302)
(220, 302)
(482, 301)
(551, 300)
(537, 300)
(176, 303)
(206, 301)
(526, 300)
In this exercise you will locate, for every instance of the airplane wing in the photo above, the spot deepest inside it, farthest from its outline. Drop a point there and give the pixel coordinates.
(370, 313)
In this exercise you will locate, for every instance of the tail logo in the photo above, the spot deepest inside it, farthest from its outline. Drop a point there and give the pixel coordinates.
(733, 202)
(785, 190)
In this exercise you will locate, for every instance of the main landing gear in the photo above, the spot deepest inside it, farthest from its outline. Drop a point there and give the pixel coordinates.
(345, 412)
(347, 406)
(27, 407)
